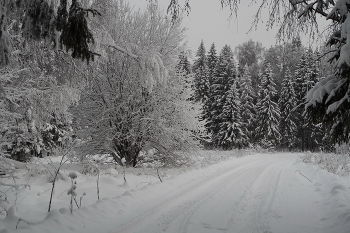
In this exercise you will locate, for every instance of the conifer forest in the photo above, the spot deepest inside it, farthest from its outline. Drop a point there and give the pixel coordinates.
(251, 95)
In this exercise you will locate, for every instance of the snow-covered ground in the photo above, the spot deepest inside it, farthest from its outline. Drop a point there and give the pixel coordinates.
(267, 193)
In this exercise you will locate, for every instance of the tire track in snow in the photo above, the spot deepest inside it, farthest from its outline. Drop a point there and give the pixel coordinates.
(212, 197)
(165, 213)
(233, 200)
(254, 208)
(245, 207)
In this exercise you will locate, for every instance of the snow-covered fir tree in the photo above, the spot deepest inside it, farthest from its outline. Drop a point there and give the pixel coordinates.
(268, 113)
(200, 71)
(212, 60)
(287, 103)
(224, 77)
(184, 64)
(184, 68)
(232, 130)
(207, 105)
(305, 76)
(247, 97)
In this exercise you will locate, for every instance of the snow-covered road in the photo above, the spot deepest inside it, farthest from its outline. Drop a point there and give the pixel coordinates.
(265, 193)
(260, 194)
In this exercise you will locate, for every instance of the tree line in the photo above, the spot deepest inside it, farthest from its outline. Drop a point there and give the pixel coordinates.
(41, 83)
(258, 100)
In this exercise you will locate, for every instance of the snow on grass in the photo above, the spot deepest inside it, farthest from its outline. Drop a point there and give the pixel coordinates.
(336, 163)
(31, 204)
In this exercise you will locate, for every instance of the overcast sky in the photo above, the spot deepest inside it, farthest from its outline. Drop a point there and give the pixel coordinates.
(209, 22)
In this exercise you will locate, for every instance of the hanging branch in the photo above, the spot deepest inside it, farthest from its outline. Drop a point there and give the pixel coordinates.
(120, 49)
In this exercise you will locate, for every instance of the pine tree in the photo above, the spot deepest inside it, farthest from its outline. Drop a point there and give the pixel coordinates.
(268, 113)
(232, 133)
(200, 71)
(287, 103)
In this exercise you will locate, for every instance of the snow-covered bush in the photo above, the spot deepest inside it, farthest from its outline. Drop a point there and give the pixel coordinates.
(8, 184)
(145, 103)
(90, 168)
(261, 148)
(38, 167)
(334, 163)
(342, 149)
(157, 159)
(308, 157)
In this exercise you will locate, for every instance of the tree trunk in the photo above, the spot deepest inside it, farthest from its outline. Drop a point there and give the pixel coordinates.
(129, 151)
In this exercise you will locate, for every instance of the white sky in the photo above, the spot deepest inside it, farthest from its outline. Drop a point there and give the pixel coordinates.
(209, 22)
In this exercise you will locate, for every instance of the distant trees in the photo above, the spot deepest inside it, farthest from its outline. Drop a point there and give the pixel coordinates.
(331, 107)
(238, 114)
(248, 103)
(249, 54)
(200, 72)
(306, 76)
(232, 132)
(267, 111)
(287, 104)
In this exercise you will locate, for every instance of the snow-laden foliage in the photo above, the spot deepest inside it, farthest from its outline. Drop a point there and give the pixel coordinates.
(327, 102)
(42, 121)
(327, 87)
(305, 77)
(134, 98)
(201, 76)
(144, 37)
(247, 97)
(287, 102)
(334, 163)
(224, 77)
(267, 111)
(9, 184)
(58, 24)
(233, 132)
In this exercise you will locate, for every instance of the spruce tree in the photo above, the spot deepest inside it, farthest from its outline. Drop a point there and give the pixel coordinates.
(268, 113)
(305, 78)
(49, 22)
(212, 59)
(224, 76)
(184, 68)
(247, 97)
(207, 107)
(200, 71)
(184, 64)
(232, 133)
(287, 103)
